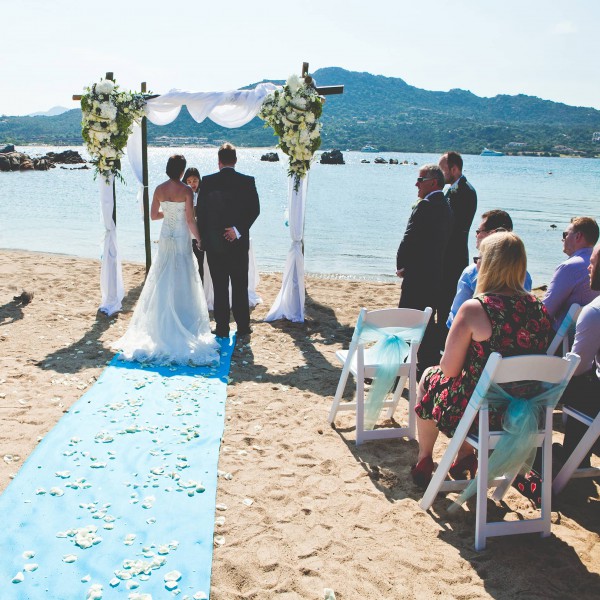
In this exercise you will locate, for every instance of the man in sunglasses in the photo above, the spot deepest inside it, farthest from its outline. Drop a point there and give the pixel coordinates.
(491, 222)
(570, 283)
(420, 256)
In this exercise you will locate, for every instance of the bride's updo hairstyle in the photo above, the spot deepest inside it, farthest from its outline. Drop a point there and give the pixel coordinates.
(503, 264)
(176, 166)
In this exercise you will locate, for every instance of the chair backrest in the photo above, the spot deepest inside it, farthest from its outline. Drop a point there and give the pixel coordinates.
(566, 327)
(531, 367)
(395, 317)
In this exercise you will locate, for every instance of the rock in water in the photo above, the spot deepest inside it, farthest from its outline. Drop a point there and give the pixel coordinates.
(270, 157)
(335, 157)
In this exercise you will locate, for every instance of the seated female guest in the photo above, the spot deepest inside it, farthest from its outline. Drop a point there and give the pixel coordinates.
(502, 317)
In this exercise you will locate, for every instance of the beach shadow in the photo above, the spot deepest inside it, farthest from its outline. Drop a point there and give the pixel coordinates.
(11, 311)
(538, 567)
(387, 463)
(580, 501)
(88, 349)
(318, 374)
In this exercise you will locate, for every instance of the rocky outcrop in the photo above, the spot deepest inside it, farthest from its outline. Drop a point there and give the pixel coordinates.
(18, 161)
(68, 157)
(393, 161)
(335, 157)
(380, 161)
(270, 157)
(9, 148)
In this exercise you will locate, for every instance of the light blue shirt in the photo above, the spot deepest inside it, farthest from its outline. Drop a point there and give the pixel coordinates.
(466, 288)
(570, 285)
(587, 338)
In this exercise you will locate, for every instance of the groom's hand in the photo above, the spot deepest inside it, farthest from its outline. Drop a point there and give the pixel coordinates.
(229, 234)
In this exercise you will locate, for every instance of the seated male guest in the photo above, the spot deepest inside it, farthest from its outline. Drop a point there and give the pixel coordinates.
(570, 283)
(491, 222)
(583, 391)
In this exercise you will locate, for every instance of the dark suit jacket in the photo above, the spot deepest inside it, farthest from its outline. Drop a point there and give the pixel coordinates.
(226, 199)
(421, 251)
(463, 202)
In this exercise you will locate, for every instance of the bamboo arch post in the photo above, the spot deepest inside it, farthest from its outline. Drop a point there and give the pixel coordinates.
(146, 196)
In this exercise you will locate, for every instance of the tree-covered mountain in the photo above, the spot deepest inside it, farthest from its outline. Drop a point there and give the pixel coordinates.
(385, 112)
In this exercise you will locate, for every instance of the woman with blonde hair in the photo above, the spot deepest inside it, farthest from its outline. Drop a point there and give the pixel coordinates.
(502, 317)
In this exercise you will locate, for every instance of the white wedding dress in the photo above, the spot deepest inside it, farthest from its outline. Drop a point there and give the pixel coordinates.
(170, 323)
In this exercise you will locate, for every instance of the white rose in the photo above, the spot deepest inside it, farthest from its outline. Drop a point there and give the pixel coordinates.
(293, 83)
(105, 86)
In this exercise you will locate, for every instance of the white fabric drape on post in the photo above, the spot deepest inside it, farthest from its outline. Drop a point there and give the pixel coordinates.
(289, 303)
(111, 276)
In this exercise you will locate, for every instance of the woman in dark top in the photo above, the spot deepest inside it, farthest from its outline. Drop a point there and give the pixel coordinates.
(192, 178)
(502, 317)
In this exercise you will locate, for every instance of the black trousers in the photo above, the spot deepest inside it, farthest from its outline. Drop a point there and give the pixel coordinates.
(429, 350)
(583, 394)
(199, 254)
(225, 267)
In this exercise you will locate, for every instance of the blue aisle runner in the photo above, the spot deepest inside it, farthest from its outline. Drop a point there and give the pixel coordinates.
(118, 500)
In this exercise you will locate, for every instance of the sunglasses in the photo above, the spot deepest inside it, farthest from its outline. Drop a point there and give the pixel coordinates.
(422, 179)
(497, 230)
(565, 234)
(476, 259)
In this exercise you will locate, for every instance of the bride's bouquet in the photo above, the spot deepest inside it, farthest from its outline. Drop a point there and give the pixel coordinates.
(294, 114)
(108, 115)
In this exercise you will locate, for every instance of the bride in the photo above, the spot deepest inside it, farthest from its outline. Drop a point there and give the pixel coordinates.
(170, 324)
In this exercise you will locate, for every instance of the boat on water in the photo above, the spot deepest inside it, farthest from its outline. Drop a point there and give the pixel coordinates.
(369, 149)
(488, 152)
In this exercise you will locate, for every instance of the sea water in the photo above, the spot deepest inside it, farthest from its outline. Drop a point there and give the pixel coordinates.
(355, 213)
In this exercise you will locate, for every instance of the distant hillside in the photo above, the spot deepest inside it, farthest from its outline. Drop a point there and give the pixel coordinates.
(381, 111)
(55, 110)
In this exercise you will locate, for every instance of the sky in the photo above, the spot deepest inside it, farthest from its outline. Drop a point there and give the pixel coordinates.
(52, 50)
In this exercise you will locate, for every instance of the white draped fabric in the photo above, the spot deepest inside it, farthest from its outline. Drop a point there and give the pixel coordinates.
(228, 109)
(111, 277)
(289, 303)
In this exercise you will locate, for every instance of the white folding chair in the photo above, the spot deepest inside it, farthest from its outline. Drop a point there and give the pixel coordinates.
(359, 361)
(571, 470)
(563, 334)
(550, 369)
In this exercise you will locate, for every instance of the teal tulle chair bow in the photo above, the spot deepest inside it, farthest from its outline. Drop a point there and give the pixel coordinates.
(522, 419)
(391, 348)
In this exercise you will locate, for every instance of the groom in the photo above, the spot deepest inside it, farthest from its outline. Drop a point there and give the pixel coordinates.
(227, 206)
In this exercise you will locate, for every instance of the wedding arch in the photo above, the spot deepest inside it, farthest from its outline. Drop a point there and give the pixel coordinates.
(115, 117)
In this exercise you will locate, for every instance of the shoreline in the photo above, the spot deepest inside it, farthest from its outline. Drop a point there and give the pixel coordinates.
(325, 513)
(326, 276)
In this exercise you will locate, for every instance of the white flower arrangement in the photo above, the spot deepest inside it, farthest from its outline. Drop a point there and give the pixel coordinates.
(108, 115)
(294, 114)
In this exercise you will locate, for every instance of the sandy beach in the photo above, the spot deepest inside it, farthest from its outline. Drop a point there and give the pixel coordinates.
(325, 513)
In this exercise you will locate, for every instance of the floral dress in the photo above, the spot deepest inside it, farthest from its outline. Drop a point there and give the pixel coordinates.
(520, 325)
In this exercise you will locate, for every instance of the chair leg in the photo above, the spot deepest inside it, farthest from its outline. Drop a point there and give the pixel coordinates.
(396, 397)
(573, 462)
(360, 399)
(546, 483)
(338, 394)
